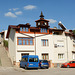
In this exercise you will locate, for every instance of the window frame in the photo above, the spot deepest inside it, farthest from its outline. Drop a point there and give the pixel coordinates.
(25, 39)
(43, 30)
(45, 55)
(44, 42)
(62, 54)
(24, 29)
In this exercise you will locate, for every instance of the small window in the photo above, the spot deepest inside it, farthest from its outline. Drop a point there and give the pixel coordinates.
(23, 28)
(44, 42)
(60, 56)
(27, 42)
(23, 42)
(31, 42)
(43, 30)
(20, 28)
(26, 29)
(20, 42)
(45, 56)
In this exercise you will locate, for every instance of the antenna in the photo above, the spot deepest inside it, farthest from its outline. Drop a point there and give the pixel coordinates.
(58, 25)
(61, 25)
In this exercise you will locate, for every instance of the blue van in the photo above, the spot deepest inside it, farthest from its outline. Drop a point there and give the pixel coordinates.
(29, 61)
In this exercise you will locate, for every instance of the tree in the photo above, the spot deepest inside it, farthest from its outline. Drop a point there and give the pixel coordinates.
(5, 43)
(74, 32)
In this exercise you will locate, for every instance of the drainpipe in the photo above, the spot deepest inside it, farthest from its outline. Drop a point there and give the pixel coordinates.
(67, 47)
(35, 42)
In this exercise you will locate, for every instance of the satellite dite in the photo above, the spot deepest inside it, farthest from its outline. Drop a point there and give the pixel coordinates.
(61, 25)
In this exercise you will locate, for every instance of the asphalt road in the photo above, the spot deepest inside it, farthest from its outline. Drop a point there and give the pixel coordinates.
(51, 71)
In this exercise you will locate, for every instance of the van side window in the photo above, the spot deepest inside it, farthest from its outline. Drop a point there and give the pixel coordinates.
(25, 59)
(33, 59)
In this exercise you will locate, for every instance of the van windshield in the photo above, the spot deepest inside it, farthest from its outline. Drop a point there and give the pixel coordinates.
(33, 59)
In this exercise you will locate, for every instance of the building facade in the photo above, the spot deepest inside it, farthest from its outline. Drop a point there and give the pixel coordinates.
(55, 45)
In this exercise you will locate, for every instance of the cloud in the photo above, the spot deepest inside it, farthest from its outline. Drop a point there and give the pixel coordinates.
(29, 7)
(15, 9)
(18, 13)
(52, 20)
(10, 14)
(10, 9)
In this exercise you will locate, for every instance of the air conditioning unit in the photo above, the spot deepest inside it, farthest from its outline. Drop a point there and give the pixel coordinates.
(55, 45)
(74, 41)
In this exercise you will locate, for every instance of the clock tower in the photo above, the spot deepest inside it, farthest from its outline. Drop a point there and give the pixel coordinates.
(42, 23)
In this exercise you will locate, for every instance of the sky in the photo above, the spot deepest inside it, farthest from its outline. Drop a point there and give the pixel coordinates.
(14, 12)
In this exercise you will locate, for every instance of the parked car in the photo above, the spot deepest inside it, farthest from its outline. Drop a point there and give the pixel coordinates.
(43, 64)
(29, 61)
(68, 64)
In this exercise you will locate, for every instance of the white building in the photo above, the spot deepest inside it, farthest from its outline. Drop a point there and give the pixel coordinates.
(3, 36)
(54, 44)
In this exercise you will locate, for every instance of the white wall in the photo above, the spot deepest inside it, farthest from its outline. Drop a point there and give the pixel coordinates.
(23, 48)
(11, 45)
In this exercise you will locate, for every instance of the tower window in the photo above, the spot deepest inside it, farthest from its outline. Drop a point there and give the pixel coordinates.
(20, 28)
(25, 29)
(43, 30)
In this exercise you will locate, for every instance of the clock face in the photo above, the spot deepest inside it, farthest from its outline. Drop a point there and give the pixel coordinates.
(39, 23)
(45, 23)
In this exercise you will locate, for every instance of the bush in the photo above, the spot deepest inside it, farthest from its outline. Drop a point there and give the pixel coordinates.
(5, 43)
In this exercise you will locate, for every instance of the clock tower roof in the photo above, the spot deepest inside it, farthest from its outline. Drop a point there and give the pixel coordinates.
(42, 18)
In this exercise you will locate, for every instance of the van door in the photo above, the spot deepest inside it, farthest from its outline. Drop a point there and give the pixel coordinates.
(25, 62)
(33, 62)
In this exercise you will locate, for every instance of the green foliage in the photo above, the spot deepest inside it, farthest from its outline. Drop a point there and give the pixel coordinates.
(74, 31)
(5, 43)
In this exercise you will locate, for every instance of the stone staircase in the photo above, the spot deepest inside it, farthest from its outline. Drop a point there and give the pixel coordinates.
(4, 59)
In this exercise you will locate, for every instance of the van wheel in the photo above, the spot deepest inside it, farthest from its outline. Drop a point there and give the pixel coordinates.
(68, 66)
(25, 67)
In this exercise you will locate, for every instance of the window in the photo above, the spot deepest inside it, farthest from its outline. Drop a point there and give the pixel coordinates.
(73, 55)
(33, 59)
(20, 28)
(24, 29)
(19, 41)
(45, 56)
(25, 41)
(44, 42)
(60, 56)
(43, 30)
(25, 59)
